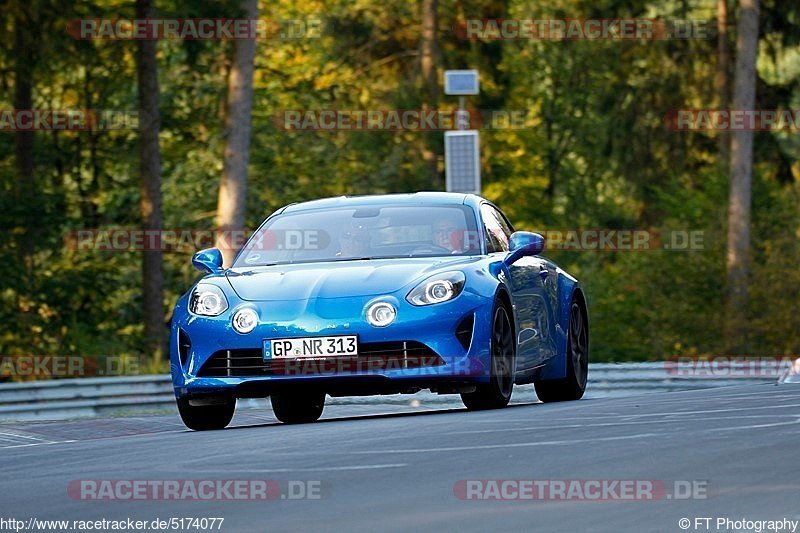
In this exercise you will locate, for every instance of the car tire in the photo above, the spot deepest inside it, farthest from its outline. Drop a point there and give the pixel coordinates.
(497, 392)
(573, 386)
(298, 407)
(207, 417)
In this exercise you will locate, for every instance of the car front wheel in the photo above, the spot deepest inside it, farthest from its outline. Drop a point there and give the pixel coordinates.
(208, 413)
(497, 392)
(298, 407)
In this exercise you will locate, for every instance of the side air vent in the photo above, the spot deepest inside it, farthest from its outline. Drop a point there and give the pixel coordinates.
(184, 346)
(464, 331)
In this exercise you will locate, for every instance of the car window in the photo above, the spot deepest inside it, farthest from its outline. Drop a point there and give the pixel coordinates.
(497, 228)
(363, 232)
(508, 229)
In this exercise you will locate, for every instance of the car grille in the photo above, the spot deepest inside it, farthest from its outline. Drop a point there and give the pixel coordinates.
(375, 356)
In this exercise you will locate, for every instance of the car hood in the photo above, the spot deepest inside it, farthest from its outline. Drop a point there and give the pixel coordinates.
(336, 279)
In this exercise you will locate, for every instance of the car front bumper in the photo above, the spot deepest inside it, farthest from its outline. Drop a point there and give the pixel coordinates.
(195, 341)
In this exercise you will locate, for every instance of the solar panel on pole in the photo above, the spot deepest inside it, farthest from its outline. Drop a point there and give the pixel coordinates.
(462, 161)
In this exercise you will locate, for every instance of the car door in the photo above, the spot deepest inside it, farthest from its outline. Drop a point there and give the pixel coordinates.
(528, 280)
(548, 275)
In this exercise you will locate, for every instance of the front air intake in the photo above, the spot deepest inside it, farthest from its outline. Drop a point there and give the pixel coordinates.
(372, 357)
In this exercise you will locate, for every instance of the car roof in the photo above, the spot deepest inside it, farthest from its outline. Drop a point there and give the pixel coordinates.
(417, 198)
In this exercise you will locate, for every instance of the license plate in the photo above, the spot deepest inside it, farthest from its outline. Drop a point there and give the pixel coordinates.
(338, 346)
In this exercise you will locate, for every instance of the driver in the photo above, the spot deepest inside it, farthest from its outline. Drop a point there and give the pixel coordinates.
(449, 235)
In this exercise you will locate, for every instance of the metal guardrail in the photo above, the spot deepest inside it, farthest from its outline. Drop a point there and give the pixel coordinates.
(87, 397)
(76, 398)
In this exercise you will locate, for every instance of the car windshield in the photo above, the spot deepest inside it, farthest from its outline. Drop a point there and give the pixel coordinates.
(365, 232)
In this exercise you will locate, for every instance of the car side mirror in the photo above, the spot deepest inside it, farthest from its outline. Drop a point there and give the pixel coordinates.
(523, 243)
(208, 261)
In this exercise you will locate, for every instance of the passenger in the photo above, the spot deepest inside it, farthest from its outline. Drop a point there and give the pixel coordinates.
(354, 242)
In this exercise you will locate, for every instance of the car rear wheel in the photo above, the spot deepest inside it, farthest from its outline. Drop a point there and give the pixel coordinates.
(298, 407)
(214, 413)
(497, 392)
(573, 386)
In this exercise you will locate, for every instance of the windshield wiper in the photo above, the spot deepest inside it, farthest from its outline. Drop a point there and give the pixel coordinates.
(352, 259)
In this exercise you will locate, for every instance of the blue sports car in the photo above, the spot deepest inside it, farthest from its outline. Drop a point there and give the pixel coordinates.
(377, 295)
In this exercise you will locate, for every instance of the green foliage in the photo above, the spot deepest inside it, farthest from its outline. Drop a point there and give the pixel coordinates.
(595, 154)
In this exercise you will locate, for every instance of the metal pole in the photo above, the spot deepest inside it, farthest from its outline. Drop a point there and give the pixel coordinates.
(462, 116)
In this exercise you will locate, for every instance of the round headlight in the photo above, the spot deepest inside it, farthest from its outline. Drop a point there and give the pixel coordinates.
(439, 291)
(209, 303)
(381, 314)
(207, 300)
(245, 320)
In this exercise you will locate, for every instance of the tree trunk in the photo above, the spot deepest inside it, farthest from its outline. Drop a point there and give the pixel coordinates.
(233, 187)
(721, 80)
(25, 184)
(150, 189)
(429, 54)
(741, 176)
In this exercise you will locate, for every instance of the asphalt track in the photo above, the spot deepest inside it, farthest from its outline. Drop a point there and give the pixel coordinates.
(395, 467)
